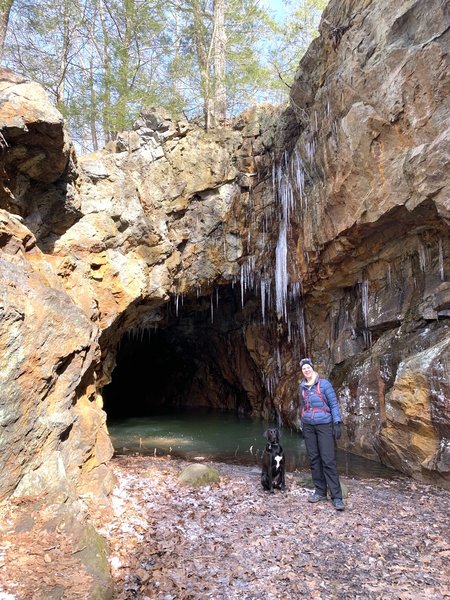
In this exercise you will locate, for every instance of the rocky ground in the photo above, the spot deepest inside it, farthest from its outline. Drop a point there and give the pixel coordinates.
(232, 540)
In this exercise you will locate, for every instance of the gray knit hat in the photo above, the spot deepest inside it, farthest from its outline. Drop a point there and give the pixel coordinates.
(306, 361)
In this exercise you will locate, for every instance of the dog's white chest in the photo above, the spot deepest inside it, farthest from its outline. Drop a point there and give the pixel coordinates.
(278, 460)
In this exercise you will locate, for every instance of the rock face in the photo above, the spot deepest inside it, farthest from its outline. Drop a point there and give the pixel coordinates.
(48, 348)
(218, 259)
(52, 425)
(375, 144)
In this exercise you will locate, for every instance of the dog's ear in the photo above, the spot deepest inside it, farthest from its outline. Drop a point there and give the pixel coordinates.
(266, 433)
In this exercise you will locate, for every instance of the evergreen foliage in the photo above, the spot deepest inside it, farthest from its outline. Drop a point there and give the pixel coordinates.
(104, 60)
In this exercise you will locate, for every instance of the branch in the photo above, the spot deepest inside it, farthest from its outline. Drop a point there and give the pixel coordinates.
(280, 76)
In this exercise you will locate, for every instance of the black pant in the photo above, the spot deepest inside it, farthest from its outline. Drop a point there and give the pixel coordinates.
(319, 443)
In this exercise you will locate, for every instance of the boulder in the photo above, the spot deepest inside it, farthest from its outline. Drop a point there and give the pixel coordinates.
(197, 475)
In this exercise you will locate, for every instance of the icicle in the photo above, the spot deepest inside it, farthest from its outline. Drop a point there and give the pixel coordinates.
(299, 174)
(263, 301)
(365, 301)
(247, 276)
(212, 308)
(242, 286)
(441, 261)
(310, 150)
(301, 325)
(270, 382)
(422, 256)
(365, 311)
(281, 275)
(283, 190)
(296, 290)
(278, 358)
(274, 177)
(285, 196)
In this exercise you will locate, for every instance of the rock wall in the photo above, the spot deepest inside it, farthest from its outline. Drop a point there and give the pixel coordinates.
(373, 247)
(109, 241)
(323, 228)
(51, 422)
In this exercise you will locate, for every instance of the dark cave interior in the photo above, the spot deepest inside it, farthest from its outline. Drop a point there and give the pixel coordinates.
(194, 359)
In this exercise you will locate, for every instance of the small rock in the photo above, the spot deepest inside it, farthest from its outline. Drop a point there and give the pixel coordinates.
(198, 475)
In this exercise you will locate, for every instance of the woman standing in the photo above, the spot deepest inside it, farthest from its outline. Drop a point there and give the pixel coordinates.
(321, 421)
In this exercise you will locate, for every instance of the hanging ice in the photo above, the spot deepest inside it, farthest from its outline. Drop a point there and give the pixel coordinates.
(284, 193)
(365, 311)
(424, 256)
(281, 275)
(247, 276)
(441, 261)
(365, 301)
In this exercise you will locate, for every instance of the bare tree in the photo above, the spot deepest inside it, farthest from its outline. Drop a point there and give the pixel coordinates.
(219, 40)
(103, 60)
(210, 44)
(5, 9)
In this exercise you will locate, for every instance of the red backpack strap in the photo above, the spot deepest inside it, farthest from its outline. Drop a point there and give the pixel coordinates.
(319, 393)
(322, 397)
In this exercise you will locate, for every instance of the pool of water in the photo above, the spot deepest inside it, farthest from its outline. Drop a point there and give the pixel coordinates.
(222, 437)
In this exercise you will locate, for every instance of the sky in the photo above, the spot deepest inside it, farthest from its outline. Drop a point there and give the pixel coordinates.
(277, 6)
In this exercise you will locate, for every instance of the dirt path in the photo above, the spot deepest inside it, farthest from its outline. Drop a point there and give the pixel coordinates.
(233, 541)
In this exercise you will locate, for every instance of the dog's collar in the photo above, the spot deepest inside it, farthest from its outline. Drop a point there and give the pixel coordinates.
(270, 444)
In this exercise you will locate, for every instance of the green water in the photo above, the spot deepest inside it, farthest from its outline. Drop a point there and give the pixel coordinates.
(222, 437)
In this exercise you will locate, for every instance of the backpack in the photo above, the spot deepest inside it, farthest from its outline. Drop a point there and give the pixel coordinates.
(306, 402)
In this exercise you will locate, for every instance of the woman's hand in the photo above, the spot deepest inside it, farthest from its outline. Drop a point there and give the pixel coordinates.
(337, 430)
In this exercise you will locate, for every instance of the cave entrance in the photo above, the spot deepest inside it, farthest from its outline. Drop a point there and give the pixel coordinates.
(194, 359)
(191, 387)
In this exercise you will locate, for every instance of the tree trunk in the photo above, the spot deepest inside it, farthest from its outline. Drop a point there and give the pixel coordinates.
(107, 76)
(63, 59)
(5, 9)
(93, 102)
(219, 48)
(200, 39)
(123, 74)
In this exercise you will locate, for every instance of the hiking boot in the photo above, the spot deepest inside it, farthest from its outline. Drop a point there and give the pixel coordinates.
(313, 498)
(338, 504)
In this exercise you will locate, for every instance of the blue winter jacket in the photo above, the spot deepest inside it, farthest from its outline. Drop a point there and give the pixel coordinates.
(318, 408)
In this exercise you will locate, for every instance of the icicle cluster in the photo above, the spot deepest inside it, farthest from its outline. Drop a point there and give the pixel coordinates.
(266, 272)
(365, 311)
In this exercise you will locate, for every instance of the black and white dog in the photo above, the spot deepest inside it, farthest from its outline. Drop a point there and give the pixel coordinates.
(273, 468)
